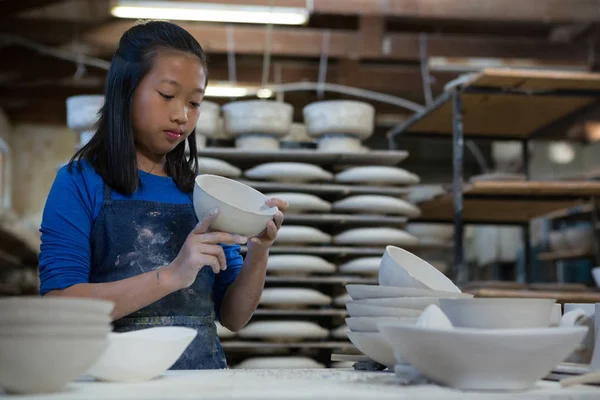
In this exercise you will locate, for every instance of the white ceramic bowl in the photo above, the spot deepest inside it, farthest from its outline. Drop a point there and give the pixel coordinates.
(367, 310)
(596, 275)
(67, 330)
(348, 117)
(482, 359)
(403, 269)
(498, 313)
(359, 292)
(208, 121)
(558, 241)
(242, 209)
(141, 355)
(258, 117)
(45, 363)
(82, 111)
(375, 346)
(31, 310)
(370, 324)
(415, 303)
(437, 231)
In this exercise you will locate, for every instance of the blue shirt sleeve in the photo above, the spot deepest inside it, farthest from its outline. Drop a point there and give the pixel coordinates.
(64, 258)
(225, 278)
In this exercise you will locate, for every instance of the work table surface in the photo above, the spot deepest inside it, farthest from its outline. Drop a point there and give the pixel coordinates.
(291, 384)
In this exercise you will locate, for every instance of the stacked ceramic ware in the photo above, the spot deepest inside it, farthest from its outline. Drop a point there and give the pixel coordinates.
(82, 115)
(407, 285)
(45, 343)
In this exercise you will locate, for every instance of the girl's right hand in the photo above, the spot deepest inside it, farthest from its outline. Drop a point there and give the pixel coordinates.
(200, 249)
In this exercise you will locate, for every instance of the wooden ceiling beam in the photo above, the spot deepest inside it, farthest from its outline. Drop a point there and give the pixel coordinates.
(551, 11)
(10, 7)
(347, 44)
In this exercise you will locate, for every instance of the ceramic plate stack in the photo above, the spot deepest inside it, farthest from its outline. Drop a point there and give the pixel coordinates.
(39, 334)
(407, 285)
(82, 115)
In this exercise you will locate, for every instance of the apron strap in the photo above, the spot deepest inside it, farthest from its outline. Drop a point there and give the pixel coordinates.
(107, 192)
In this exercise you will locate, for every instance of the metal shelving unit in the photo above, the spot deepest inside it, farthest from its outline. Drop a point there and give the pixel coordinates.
(503, 105)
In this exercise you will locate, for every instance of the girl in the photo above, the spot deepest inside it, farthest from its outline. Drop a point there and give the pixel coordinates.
(119, 223)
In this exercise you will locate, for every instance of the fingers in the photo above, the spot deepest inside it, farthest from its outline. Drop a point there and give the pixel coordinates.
(216, 251)
(206, 222)
(278, 219)
(211, 261)
(220, 237)
(280, 204)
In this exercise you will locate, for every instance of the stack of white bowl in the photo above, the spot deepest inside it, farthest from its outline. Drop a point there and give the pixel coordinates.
(499, 344)
(407, 285)
(45, 343)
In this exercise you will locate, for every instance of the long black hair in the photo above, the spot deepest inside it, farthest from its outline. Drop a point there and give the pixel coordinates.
(112, 150)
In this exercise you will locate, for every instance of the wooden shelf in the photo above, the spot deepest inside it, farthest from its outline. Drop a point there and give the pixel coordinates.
(373, 157)
(230, 345)
(326, 189)
(512, 202)
(564, 255)
(330, 312)
(345, 219)
(491, 95)
(343, 251)
(342, 280)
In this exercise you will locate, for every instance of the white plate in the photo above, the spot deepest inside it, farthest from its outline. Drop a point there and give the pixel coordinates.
(369, 324)
(341, 300)
(208, 122)
(483, 359)
(341, 332)
(376, 236)
(298, 297)
(82, 111)
(289, 172)
(376, 204)
(416, 303)
(214, 166)
(223, 332)
(377, 175)
(301, 234)
(287, 362)
(359, 292)
(302, 202)
(362, 265)
(290, 330)
(298, 264)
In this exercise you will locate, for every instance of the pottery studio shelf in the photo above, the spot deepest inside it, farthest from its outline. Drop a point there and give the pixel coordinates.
(561, 296)
(329, 312)
(248, 158)
(331, 190)
(500, 104)
(344, 219)
(325, 279)
(346, 251)
(243, 345)
(564, 255)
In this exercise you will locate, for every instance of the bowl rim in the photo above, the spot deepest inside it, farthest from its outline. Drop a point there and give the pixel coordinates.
(267, 212)
(501, 300)
(479, 332)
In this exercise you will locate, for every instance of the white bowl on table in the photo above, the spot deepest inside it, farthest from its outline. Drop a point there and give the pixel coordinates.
(143, 354)
(498, 313)
(242, 209)
(415, 303)
(483, 359)
(360, 292)
(375, 346)
(365, 310)
(403, 269)
(33, 310)
(370, 324)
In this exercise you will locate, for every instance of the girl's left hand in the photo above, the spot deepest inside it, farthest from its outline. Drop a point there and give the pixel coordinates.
(266, 238)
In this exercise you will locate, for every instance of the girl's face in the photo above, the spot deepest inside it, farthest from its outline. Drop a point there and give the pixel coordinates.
(166, 103)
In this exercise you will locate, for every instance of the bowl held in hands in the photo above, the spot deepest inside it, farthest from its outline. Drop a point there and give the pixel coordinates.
(242, 209)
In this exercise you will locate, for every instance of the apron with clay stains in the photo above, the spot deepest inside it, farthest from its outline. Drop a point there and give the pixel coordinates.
(131, 237)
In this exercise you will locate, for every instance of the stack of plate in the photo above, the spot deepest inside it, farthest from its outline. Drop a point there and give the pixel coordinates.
(45, 343)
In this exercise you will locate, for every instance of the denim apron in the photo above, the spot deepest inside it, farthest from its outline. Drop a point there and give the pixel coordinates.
(131, 237)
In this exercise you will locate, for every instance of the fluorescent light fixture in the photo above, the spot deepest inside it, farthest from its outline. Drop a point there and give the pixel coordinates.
(210, 12)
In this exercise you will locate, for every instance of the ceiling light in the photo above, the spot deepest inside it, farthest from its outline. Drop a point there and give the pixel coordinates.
(224, 90)
(264, 93)
(210, 12)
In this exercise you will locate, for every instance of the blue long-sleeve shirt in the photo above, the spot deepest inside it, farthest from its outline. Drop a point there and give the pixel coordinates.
(73, 205)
